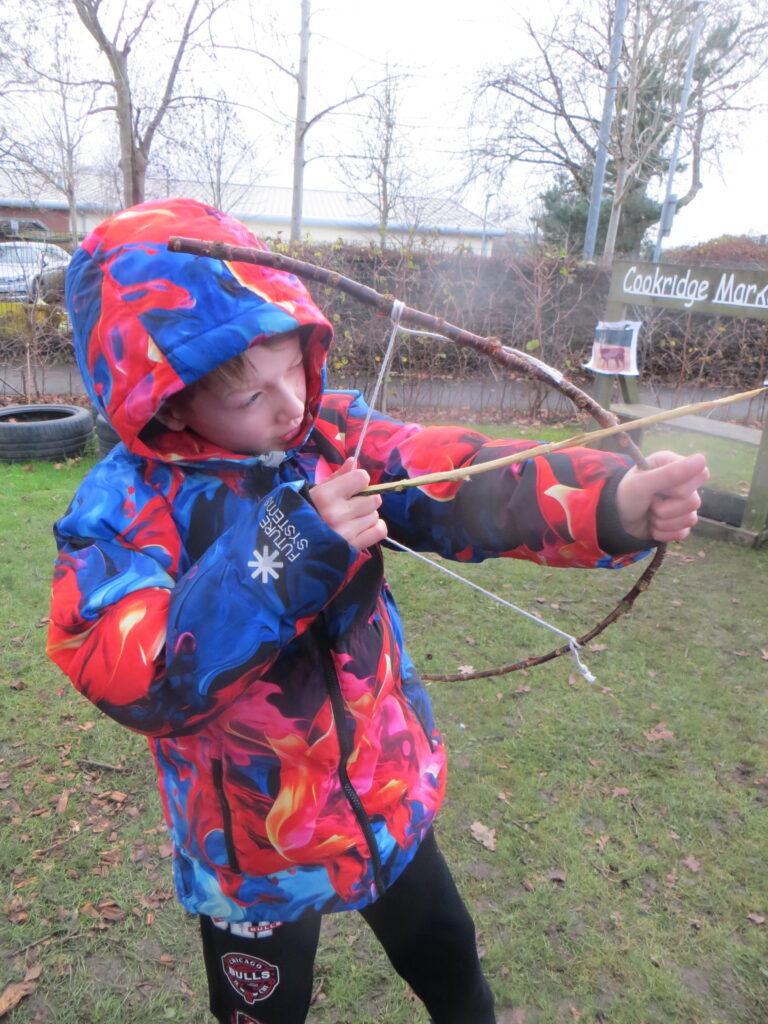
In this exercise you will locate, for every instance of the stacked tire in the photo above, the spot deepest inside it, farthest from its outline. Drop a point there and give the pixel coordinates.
(44, 432)
(106, 435)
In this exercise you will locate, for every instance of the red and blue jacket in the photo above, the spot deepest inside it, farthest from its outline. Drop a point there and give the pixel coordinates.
(200, 599)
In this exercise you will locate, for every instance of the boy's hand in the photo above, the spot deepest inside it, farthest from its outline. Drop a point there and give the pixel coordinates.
(355, 518)
(661, 501)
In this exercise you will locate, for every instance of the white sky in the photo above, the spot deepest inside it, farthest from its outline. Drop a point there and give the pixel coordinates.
(445, 43)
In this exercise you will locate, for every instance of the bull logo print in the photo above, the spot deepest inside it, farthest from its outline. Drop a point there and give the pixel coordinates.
(251, 977)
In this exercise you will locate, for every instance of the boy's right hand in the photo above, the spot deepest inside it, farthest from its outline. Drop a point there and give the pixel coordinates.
(353, 515)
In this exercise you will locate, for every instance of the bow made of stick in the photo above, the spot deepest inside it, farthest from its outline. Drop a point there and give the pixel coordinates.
(492, 349)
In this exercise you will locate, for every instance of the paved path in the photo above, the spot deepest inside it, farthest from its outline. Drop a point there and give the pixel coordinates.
(489, 397)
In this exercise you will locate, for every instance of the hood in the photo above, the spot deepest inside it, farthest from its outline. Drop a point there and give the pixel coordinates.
(147, 322)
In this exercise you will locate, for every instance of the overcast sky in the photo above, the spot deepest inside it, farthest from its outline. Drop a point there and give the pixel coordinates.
(445, 43)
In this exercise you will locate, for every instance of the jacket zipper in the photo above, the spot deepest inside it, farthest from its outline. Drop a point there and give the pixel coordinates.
(217, 770)
(345, 749)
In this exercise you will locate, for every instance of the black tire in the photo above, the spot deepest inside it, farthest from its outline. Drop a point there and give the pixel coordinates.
(44, 432)
(106, 435)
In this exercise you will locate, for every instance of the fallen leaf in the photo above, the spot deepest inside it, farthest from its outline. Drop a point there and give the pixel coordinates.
(557, 876)
(619, 791)
(602, 842)
(466, 670)
(61, 803)
(659, 732)
(109, 910)
(18, 990)
(483, 835)
(692, 864)
(756, 918)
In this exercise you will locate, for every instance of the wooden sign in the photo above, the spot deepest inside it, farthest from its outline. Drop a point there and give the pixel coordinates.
(717, 291)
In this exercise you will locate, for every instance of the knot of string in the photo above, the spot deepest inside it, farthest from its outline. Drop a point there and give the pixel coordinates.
(395, 316)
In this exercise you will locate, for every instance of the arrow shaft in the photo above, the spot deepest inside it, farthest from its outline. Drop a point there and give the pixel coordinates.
(568, 442)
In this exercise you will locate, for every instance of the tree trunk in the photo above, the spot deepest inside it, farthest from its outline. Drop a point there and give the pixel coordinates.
(300, 128)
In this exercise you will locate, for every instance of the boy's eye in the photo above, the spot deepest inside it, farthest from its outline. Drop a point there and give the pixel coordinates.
(251, 400)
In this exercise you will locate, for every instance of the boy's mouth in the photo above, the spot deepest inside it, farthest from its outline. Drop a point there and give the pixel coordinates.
(292, 435)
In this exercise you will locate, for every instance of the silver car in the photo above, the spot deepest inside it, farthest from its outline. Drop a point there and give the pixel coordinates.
(23, 265)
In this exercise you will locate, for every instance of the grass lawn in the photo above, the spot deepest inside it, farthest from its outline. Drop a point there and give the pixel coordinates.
(626, 882)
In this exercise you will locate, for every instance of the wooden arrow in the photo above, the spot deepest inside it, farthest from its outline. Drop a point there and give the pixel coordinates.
(569, 442)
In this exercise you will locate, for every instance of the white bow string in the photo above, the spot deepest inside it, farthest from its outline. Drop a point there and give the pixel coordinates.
(395, 316)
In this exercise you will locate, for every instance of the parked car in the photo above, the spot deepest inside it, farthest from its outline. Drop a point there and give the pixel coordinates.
(25, 269)
(25, 227)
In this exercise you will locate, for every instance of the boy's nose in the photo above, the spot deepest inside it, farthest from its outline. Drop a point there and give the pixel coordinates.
(290, 405)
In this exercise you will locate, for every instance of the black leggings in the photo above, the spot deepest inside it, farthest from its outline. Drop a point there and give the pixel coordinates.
(421, 922)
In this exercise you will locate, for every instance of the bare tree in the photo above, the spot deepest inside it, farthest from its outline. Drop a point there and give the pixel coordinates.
(377, 166)
(545, 110)
(296, 71)
(45, 107)
(206, 142)
(120, 31)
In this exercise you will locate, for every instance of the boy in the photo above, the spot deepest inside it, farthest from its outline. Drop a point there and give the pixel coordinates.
(219, 587)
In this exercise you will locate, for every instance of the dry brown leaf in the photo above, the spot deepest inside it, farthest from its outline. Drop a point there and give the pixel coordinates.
(110, 911)
(557, 876)
(658, 733)
(756, 918)
(602, 842)
(61, 803)
(18, 990)
(483, 835)
(692, 864)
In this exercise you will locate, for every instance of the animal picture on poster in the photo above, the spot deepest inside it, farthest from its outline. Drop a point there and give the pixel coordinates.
(614, 349)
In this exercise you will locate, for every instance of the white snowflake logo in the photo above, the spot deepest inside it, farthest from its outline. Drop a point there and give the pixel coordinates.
(265, 564)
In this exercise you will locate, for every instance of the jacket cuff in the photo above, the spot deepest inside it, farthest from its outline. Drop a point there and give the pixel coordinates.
(611, 535)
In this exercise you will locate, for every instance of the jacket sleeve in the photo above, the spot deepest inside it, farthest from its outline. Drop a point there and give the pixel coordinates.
(159, 649)
(558, 509)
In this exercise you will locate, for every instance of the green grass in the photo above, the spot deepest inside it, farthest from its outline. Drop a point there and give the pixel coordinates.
(628, 883)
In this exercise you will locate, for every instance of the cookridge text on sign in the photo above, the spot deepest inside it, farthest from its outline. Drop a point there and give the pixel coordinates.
(701, 289)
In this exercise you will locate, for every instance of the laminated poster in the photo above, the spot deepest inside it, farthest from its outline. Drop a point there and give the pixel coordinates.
(614, 349)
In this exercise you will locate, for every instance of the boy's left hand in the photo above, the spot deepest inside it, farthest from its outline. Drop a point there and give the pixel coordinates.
(661, 502)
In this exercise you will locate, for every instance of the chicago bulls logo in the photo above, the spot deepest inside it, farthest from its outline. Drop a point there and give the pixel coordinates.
(252, 978)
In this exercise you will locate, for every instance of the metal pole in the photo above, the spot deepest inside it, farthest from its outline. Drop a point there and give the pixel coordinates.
(601, 159)
(667, 211)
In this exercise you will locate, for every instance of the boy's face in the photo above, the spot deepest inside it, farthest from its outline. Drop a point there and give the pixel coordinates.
(262, 412)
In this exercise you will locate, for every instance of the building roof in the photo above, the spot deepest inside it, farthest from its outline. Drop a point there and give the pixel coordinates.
(261, 204)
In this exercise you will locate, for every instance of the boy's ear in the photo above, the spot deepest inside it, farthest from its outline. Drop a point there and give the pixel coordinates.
(168, 414)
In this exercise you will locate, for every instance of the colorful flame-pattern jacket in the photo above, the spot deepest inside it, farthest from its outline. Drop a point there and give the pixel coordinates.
(200, 599)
